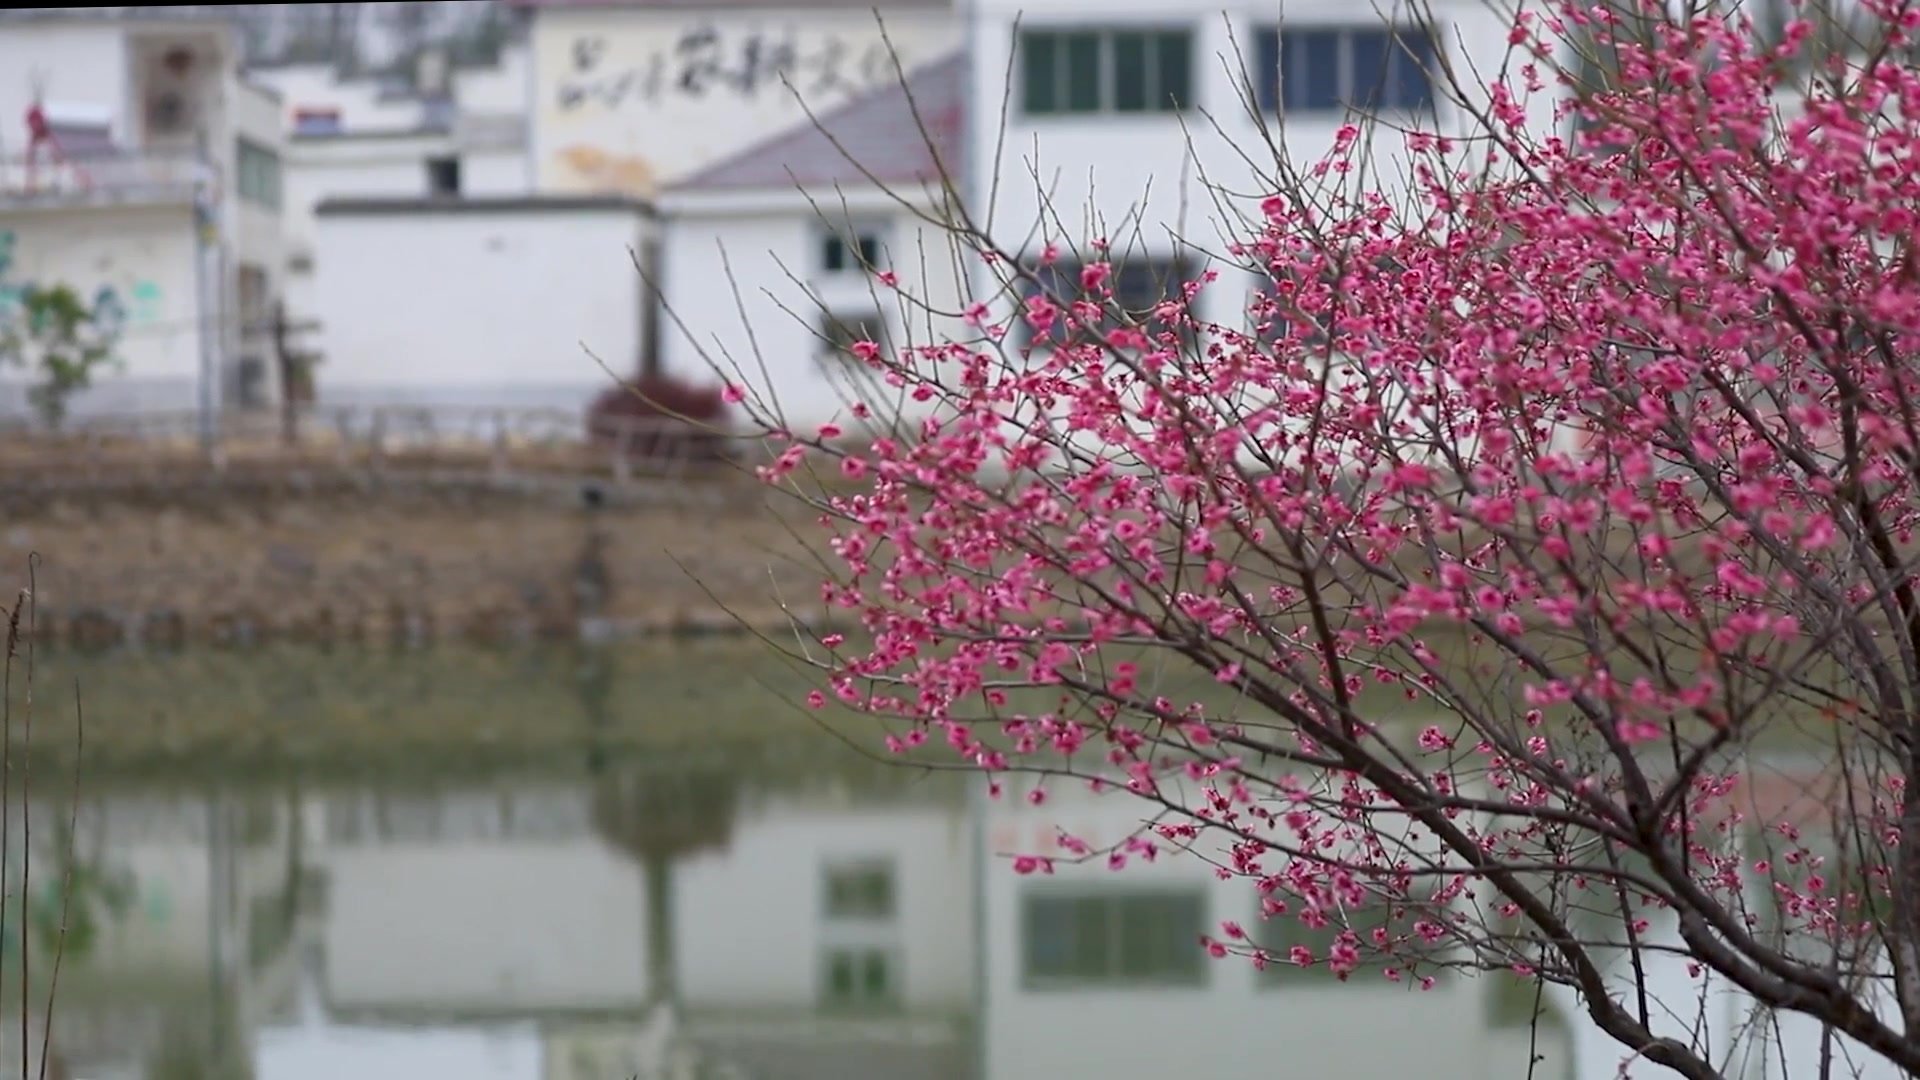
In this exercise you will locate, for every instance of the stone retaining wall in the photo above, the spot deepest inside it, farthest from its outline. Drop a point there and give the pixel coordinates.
(325, 558)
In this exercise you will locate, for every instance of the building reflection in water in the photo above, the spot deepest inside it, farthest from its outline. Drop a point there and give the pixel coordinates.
(780, 916)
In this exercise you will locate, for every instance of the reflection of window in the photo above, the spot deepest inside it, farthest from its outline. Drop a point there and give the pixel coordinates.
(849, 250)
(862, 891)
(1091, 71)
(858, 977)
(1280, 934)
(1135, 937)
(1330, 69)
(842, 329)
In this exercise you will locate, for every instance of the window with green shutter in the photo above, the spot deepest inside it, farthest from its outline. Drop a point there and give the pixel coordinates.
(1080, 71)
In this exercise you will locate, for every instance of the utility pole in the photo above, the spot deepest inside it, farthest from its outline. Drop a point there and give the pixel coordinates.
(296, 370)
(207, 287)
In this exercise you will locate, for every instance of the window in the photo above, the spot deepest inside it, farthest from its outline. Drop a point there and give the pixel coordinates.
(1094, 71)
(1138, 285)
(316, 121)
(443, 176)
(854, 249)
(1281, 933)
(1146, 938)
(258, 174)
(858, 978)
(860, 891)
(1331, 69)
(842, 328)
(1273, 313)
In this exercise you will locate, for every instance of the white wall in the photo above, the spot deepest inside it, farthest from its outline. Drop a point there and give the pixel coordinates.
(739, 947)
(317, 169)
(485, 926)
(476, 306)
(327, 1052)
(610, 113)
(770, 242)
(189, 874)
(495, 171)
(260, 239)
(1105, 173)
(145, 255)
(489, 138)
(84, 64)
(257, 111)
(1316, 1026)
(316, 86)
(498, 90)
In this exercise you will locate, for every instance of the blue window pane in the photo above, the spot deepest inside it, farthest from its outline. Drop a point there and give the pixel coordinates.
(1139, 285)
(1040, 72)
(1266, 70)
(1411, 70)
(1067, 938)
(1367, 88)
(1175, 49)
(1083, 72)
(1311, 68)
(1130, 85)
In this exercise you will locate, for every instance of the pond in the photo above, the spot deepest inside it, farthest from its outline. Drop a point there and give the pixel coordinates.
(578, 864)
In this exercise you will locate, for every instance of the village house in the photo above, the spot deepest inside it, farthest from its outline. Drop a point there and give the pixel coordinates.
(139, 167)
(635, 95)
(440, 127)
(1050, 123)
(1155, 123)
(620, 106)
(773, 256)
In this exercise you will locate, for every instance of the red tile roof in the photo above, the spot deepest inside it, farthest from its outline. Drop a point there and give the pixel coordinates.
(905, 133)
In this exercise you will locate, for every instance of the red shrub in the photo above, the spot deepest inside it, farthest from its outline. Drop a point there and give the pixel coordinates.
(660, 418)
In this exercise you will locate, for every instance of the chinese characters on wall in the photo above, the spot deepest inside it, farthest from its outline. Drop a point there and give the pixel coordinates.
(703, 62)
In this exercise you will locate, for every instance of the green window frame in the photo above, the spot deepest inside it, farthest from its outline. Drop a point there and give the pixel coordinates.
(1078, 71)
(257, 178)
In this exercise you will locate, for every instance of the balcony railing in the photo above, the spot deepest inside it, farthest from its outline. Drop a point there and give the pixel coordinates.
(129, 176)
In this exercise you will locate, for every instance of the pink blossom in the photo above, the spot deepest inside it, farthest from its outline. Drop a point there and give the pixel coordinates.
(1587, 443)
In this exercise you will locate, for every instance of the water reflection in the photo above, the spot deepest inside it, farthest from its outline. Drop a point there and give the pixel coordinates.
(672, 921)
(782, 911)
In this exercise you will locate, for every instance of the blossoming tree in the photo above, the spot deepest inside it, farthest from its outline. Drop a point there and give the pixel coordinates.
(1544, 535)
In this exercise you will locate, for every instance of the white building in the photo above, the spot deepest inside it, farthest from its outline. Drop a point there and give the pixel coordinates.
(799, 926)
(772, 255)
(446, 131)
(636, 95)
(1074, 956)
(1054, 123)
(1130, 121)
(184, 942)
(156, 197)
(480, 302)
